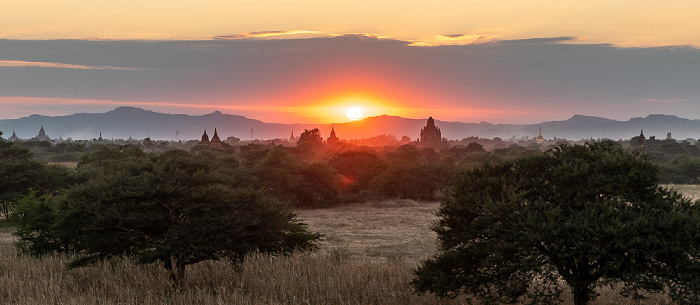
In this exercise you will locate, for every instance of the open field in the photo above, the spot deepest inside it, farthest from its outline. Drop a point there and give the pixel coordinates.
(391, 229)
(366, 257)
(688, 190)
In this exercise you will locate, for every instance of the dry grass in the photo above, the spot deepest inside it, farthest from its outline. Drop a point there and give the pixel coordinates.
(689, 190)
(298, 279)
(66, 164)
(391, 229)
(367, 257)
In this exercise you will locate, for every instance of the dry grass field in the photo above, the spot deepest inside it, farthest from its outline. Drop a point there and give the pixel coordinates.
(384, 230)
(366, 257)
(66, 164)
(690, 191)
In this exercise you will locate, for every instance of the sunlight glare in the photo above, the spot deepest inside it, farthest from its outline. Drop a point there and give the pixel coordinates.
(354, 113)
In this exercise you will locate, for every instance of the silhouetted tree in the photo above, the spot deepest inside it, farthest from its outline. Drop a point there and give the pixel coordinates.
(475, 147)
(310, 143)
(148, 144)
(312, 136)
(591, 215)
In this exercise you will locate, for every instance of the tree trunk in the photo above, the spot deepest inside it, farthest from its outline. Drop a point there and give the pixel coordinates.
(175, 264)
(582, 295)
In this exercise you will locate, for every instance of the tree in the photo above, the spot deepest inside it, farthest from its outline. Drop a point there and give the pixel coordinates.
(302, 184)
(310, 143)
(592, 215)
(175, 208)
(20, 173)
(313, 137)
(358, 167)
(148, 144)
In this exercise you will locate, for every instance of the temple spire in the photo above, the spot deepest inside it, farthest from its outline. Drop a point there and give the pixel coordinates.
(205, 138)
(215, 137)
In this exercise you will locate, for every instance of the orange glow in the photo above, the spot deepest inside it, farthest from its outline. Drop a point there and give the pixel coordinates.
(354, 113)
(354, 106)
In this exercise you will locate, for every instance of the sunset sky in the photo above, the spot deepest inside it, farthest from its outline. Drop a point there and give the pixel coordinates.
(509, 61)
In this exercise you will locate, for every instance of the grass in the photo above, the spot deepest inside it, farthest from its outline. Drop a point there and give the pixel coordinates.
(66, 164)
(377, 230)
(691, 191)
(367, 257)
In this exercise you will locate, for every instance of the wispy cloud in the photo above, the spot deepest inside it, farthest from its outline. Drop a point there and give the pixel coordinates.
(438, 40)
(652, 100)
(453, 40)
(42, 64)
(364, 35)
(272, 35)
(545, 40)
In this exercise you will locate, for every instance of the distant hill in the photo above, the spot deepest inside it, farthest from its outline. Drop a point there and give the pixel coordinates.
(123, 122)
(138, 123)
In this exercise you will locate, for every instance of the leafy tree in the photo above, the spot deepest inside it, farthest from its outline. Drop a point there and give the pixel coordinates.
(358, 167)
(407, 153)
(410, 181)
(148, 144)
(684, 169)
(317, 185)
(306, 184)
(475, 147)
(310, 143)
(591, 215)
(312, 136)
(20, 173)
(35, 219)
(175, 208)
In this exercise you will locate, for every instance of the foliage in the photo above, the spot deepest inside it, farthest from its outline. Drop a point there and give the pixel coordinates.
(409, 174)
(310, 144)
(684, 169)
(304, 184)
(358, 168)
(591, 215)
(175, 208)
(406, 180)
(20, 173)
(310, 137)
(35, 219)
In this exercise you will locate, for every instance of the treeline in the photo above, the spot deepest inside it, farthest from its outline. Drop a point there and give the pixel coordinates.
(678, 162)
(315, 175)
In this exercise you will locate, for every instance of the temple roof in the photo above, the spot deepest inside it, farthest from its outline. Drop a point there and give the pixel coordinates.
(215, 137)
(205, 138)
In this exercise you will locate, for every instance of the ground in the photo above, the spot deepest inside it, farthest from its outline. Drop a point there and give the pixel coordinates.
(366, 257)
(391, 229)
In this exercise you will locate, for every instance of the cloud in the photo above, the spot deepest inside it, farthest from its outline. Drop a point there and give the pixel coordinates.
(41, 64)
(439, 40)
(453, 40)
(547, 40)
(652, 100)
(272, 35)
(553, 78)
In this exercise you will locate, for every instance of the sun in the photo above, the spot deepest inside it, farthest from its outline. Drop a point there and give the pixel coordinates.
(354, 113)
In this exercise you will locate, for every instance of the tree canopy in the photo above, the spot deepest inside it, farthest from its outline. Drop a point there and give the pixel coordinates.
(20, 173)
(310, 136)
(175, 208)
(590, 215)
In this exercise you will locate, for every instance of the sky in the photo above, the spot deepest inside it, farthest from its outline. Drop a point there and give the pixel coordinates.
(309, 61)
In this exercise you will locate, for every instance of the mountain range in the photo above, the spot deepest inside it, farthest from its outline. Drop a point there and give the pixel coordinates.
(125, 122)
